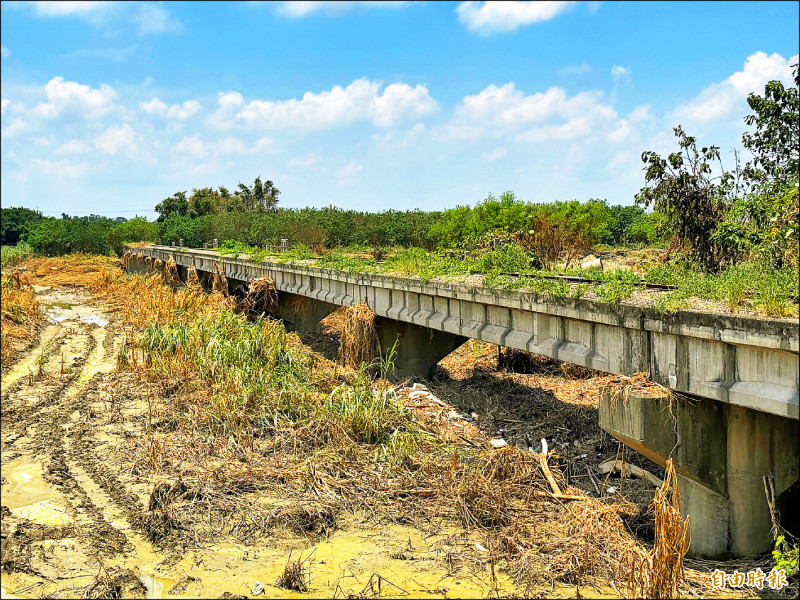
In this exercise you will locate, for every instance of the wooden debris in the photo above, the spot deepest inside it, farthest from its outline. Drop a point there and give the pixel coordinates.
(546, 470)
(626, 468)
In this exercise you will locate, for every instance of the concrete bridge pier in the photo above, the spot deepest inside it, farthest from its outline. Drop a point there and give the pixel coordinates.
(301, 312)
(418, 348)
(721, 453)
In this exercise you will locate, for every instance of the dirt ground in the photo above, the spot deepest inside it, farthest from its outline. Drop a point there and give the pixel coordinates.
(77, 508)
(71, 506)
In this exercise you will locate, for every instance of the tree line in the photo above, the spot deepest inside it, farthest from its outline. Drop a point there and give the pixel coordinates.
(330, 227)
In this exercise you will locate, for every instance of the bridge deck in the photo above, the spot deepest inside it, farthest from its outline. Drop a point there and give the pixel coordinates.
(745, 361)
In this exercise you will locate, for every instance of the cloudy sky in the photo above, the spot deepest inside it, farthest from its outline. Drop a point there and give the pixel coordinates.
(109, 107)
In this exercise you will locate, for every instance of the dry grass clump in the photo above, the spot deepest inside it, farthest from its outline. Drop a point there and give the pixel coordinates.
(158, 266)
(116, 583)
(21, 313)
(661, 573)
(220, 282)
(620, 388)
(262, 295)
(171, 277)
(359, 338)
(73, 269)
(296, 575)
(192, 280)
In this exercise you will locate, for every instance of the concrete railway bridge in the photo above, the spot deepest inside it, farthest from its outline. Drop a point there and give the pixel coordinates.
(741, 374)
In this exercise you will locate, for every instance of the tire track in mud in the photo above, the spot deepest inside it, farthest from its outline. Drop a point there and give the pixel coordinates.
(21, 367)
(41, 410)
(25, 399)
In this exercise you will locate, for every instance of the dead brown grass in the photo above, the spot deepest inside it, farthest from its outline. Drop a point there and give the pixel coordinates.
(296, 575)
(192, 280)
(220, 283)
(22, 315)
(660, 573)
(171, 277)
(359, 338)
(262, 295)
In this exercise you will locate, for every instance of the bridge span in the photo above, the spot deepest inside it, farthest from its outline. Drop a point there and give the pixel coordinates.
(741, 372)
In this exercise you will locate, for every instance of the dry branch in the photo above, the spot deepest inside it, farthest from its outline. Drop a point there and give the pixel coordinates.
(626, 468)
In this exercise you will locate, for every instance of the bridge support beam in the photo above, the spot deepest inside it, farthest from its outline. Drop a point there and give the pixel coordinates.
(301, 312)
(721, 453)
(418, 348)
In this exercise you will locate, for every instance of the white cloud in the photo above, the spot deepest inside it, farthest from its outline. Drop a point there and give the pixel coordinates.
(306, 161)
(619, 72)
(621, 133)
(500, 111)
(116, 139)
(72, 147)
(231, 146)
(501, 17)
(155, 107)
(620, 158)
(264, 144)
(191, 146)
(146, 17)
(361, 100)
(640, 114)
(61, 169)
(4, 52)
(348, 173)
(16, 127)
(75, 99)
(720, 99)
(300, 9)
(155, 19)
(3, 104)
(392, 140)
(180, 112)
(225, 116)
(70, 9)
(580, 69)
(495, 154)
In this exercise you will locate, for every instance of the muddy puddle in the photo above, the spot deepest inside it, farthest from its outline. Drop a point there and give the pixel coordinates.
(61, 305)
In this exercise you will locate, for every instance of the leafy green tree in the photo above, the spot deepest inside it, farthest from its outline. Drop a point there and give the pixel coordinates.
(762, 221)
(775, 143)
(261, 197)
(177, 227)
(14, 221)
(177, 205)
(138, 229)
(53, 237)
(692, 200)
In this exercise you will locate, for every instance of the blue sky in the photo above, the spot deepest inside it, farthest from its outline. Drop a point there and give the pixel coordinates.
(110, 107)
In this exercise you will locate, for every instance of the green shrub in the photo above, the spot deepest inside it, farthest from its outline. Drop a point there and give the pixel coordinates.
(137, 229)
